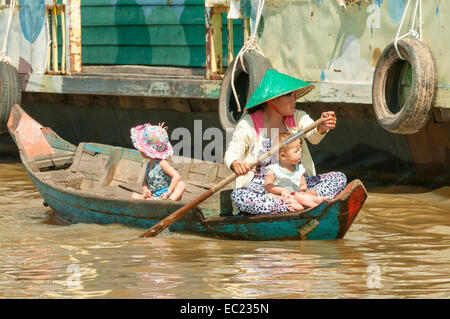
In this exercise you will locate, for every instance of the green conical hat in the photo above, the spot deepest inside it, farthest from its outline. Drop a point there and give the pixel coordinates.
(275, 84)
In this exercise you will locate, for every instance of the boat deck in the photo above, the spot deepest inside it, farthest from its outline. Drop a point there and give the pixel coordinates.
(127, 80)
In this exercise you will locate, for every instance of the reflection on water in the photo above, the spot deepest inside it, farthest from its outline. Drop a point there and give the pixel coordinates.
(398, 247)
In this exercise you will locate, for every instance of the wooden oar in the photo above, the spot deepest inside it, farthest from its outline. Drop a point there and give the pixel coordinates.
(169, 220)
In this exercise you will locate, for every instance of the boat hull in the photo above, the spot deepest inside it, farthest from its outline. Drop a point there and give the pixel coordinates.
(328, 221)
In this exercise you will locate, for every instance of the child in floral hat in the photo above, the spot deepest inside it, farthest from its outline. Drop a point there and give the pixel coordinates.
(161, 180)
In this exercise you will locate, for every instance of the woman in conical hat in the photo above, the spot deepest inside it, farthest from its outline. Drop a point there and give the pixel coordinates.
(271, 109)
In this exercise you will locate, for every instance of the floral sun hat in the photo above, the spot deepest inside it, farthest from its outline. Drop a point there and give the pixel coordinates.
(152, 140)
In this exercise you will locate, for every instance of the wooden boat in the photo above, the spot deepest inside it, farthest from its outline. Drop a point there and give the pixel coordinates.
(92, 183)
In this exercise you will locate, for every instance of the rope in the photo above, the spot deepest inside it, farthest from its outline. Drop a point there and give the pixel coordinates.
(3, 57)
(268, 102)
(250, 45)
(412, 31)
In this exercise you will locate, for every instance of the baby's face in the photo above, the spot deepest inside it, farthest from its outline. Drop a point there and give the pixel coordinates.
(291, 155)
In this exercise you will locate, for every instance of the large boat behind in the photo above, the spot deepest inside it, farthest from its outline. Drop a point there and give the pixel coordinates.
(156, 59)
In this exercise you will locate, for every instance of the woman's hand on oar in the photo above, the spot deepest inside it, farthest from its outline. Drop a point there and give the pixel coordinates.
(329, 122)
(240, 167)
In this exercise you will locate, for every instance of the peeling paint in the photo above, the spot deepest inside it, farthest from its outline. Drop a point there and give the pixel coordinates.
(375, 56)
(396, 9)
(313, 42)
(74, 22)
(349, 67)
(160, 89)
(32, 18)
(374, 19)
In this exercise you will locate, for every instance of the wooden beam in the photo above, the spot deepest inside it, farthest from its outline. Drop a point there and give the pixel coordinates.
(77, 157)
(141, 177)
(74, 28)
(54, 39)
(110, 167)
(230, 41)
(63, 36)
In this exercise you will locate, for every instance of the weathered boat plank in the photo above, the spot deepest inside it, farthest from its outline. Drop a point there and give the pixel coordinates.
(110, 167)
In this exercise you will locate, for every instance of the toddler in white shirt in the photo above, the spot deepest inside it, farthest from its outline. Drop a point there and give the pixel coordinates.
(286, 178)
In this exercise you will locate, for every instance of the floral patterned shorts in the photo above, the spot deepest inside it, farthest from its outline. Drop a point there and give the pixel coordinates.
(252, 199)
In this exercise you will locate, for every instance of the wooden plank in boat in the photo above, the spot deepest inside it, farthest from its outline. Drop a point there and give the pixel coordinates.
(143, 169)
(77, 157)
(93, 164)
(132, 155)
(52, 160)
(223, 172)
(88, 183)
(195, 177)
(200, 168)
(177, 166)
(131, 187)
(62, 159)
(185, 171)
(127, 171)
(63, 178)
(212, 174)
(195, 187)
(110, 167)
(200, 184)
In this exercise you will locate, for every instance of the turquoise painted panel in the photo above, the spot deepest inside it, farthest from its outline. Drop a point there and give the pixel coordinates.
(328, 227)
(139, 55)
(147, 32)
(98, 148)
(154, 35)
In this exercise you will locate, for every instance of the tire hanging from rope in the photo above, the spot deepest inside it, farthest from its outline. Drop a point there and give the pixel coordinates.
(10, 88)
(409, 115)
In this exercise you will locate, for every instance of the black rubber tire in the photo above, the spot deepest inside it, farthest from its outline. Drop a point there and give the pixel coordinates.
(245, 84)
(414, 114)
(10, 93)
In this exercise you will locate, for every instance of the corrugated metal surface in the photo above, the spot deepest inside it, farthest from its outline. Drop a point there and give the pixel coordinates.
(146, 32)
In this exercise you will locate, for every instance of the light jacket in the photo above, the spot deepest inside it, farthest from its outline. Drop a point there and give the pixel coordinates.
(246, 143)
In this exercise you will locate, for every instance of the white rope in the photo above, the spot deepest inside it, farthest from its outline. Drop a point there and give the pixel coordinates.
(412, 32)
(250, 45)
(3, 57)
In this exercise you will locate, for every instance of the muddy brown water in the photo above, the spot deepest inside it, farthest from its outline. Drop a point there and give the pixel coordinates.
(398, 247)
